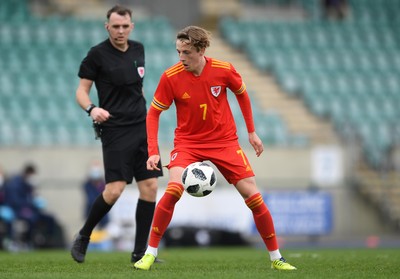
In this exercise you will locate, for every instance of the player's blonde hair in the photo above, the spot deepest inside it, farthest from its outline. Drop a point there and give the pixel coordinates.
(196, 36)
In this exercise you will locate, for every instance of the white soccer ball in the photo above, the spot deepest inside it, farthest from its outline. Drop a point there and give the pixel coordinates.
(199, 179)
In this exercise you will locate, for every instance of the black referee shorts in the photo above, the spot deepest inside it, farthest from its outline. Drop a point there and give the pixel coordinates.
(125, 154)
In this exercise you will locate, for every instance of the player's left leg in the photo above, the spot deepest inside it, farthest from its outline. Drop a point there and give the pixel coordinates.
(237, 170)
(263, 220)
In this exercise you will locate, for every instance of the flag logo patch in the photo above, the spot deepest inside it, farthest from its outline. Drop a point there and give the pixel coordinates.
(141, 71)
(216, 90)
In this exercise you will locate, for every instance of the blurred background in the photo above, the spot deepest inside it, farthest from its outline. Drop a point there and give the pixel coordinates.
(323, 77)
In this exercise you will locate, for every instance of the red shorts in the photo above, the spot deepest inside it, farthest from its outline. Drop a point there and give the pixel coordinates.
(230, 161)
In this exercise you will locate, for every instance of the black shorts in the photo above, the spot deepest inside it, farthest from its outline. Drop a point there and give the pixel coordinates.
(125, 154)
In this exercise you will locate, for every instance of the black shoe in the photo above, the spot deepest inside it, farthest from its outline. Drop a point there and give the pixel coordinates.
(79, 247)
(135, 257)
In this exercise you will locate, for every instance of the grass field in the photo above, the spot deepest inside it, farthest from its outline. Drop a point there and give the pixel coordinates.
(207, 263)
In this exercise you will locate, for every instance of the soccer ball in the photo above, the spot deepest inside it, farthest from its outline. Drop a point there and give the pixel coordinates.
(199, 179)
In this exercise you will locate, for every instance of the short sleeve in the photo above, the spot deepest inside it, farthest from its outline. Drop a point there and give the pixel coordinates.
(88, 67)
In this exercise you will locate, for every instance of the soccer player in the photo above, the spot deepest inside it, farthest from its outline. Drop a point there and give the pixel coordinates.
(117, 67)
(206, 130)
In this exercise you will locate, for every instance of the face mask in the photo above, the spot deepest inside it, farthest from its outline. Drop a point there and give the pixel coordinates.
(95, 173)
(33, 180)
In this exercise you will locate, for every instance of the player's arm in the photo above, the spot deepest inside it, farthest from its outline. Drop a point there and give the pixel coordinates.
(83, 99)
(162, 100)
(239, 89)
(152, 124)
(245, 107)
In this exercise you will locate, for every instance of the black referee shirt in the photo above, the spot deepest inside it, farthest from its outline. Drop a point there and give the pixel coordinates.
(118, 77)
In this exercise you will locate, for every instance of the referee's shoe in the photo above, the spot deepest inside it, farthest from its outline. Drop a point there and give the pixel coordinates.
(79, 247)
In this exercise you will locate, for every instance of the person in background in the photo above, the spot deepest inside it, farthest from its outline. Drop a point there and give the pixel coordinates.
(7, 215)
(93, 186)
(22, 198)
(206, 130)
(117, 68)
(335, 9)
(2, 184)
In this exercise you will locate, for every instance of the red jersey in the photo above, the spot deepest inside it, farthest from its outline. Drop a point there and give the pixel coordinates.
(204, 117)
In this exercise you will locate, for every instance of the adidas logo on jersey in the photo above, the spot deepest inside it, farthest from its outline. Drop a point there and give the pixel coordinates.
(185, 96)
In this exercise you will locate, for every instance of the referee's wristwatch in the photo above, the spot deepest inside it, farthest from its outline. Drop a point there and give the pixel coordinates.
(89, 108)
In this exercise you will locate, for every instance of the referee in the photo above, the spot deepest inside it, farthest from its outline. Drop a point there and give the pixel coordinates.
(117, 66)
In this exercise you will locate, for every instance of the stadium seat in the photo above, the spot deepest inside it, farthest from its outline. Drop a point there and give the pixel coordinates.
(344, 70)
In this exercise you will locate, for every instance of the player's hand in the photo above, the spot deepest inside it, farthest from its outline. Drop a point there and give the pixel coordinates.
(152, 162)
(256, 142)
(100, 115)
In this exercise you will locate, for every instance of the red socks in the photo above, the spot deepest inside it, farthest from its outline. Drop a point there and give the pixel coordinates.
(263, 220)
(174, 191)
(164, 211)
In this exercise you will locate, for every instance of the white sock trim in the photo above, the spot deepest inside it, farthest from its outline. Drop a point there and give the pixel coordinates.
(275, 255)
(152, 250)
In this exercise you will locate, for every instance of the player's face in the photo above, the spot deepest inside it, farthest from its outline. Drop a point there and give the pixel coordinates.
(119, 27)
(192, 60)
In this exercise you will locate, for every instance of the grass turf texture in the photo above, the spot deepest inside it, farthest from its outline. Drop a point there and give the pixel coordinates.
(207, 263)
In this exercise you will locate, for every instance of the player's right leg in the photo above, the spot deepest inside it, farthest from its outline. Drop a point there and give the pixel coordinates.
(281, 264)
(146, 262)
(147, 183)
(162, 218)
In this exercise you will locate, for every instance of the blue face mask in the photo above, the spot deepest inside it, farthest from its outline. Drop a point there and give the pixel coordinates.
(95, 173)
(33, 180)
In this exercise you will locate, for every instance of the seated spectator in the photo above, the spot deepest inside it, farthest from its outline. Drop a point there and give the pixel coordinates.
(335, 9)
(6, 214)
(35, 226)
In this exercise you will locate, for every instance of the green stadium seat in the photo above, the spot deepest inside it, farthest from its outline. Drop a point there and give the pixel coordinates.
(7, 134)
(43, 137)
(344, 71)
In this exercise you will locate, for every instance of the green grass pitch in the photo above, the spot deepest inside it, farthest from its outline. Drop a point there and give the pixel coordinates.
(219, 263)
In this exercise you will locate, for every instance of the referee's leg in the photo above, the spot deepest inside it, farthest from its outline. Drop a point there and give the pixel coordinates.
(144, 215)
